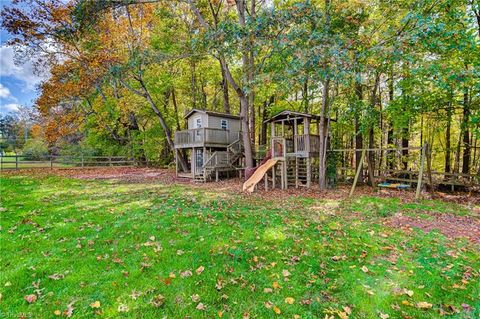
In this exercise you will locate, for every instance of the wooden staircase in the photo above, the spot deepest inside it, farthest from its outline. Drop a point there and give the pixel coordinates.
(222, 161)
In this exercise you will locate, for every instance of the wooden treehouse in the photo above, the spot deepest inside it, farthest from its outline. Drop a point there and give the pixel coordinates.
(293, 159)
(212, 145)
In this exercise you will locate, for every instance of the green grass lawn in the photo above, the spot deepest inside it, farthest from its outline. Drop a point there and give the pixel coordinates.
(108, 249)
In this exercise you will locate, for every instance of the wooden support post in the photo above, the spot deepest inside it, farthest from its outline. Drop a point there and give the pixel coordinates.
(420, 173)
(83, 162)
(216, 176)
(16, 161)
(309, 172)
(295, 146)
(193, 162)
(1, 161)
(176, 163)
(51, 161)
(274, 175)
(296, 172)
(266, 181)
(282, 175)
(359, 169)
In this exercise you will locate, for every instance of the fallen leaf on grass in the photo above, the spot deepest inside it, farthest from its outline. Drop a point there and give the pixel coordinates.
(424, 305)
(364, 269)
(69, 312)
(267, 290)
(95, 304)
(466, 307)
(276, 310)
(408, 292)
(289, 300)
(186, 273)
(30, 298)
(285, 273)
(200, 270)
(275, 285)
(158, 301)
(122, 308)
(57, 312)
(56, 276)
(201, 306)
(384, 316)
(195, 298)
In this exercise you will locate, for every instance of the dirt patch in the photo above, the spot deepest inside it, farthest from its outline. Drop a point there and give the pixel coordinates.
(450, 226)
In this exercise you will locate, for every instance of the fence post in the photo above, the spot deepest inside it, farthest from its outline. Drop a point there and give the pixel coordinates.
(1, 162)
(359, 169)
(82, 160)
(51, 161)
(420, 173)
(16, 161)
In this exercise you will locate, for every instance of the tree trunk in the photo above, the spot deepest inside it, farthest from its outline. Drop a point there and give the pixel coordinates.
(322, 136)
(390, 136)
(371, 137)
(175, 109)
(358, 133)
(447, 138)
(193, 83)
(405, 145)
(305, 96)
(226, 99)
(156, 110)
(240, 93)
(245, 97)
(266, 104)
(466, 133)
(251, 74)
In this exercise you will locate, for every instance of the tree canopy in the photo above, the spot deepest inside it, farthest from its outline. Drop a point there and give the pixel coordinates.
(123, 72)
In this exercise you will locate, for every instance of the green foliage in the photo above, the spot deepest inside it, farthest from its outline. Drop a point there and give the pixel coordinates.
(35, 149)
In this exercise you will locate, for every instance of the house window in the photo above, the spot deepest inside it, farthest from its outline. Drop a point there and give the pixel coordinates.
(224, 124)
(198, 122)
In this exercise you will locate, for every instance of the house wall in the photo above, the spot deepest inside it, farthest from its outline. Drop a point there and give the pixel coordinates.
(191, 120)
(210, 121)
(215, 122)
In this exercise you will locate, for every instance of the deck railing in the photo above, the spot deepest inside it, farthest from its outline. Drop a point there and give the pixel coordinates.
(204, 135)
(306, 143)
(218, 159)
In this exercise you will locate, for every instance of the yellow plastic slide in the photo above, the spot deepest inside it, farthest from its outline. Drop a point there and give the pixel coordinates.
(249, 185)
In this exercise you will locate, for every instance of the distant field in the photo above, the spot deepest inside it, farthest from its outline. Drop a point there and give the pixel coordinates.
(149, 250)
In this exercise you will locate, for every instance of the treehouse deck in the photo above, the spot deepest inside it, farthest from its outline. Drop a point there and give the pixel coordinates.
(211, 146)
(204, 137)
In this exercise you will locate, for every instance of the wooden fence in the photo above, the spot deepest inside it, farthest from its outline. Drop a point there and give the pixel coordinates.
(9, 162)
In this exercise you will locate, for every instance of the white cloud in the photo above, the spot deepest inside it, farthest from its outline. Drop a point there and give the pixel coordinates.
(23, 72)
(4, 92)
(11, 107)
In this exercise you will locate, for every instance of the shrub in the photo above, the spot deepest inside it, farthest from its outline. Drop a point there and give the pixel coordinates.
(35, 150)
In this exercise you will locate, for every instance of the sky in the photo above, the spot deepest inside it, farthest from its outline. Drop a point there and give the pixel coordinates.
(17, 82)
